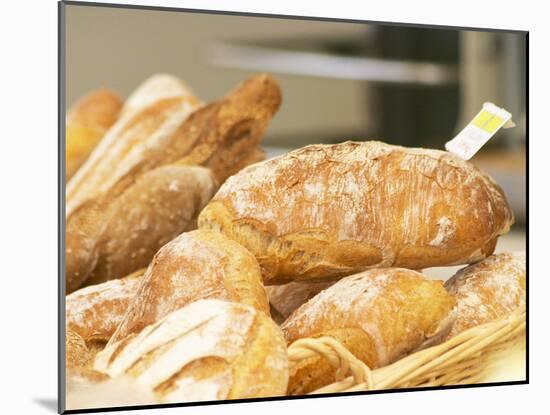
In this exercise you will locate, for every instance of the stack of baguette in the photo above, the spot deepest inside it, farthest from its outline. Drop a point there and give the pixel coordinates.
(192, 265)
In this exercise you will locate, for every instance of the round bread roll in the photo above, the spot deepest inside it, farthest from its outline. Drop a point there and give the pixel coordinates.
(379, 315)
(208, 350)
(196, 265)
(95, 312)
(326, 211)
(488, 290)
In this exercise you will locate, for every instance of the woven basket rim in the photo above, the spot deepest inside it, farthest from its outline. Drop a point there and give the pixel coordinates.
(459, 360)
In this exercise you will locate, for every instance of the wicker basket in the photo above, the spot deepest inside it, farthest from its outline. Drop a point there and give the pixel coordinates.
(464, 359)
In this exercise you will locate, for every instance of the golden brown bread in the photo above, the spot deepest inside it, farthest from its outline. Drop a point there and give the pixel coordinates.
(87, 122)
(77, 354)
(156, 87)
(325, 211)
(379, 315)
(208, 350)
(95, 312)
(109, 238)
(288, 297)
(124, 153)
(222, 136)
(135, 192)
(490, 289)
(195, 265)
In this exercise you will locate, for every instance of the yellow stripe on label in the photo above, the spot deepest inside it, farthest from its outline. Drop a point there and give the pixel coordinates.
(487, 122)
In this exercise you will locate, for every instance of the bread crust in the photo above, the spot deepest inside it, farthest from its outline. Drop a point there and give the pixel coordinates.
(77, 354)
(142, 185)
(196, 265)
(207, 350)
(87, 122)
(325, 211)
(108, 238)
(490, 289)
(95, 312)
(379, 315)
(288, 297)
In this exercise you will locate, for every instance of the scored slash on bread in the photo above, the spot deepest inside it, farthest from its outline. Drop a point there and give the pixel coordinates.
(208, 350)
(194, 266)
(127, 173)
(326, 211)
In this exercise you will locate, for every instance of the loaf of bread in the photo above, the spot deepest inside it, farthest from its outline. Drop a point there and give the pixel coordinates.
(208, 350)
(95, 312)
(488, 290)
(127, 150)
(284, 299)
(196, 265)
(86, 124)
(139, 188)
(108, 238)
(326, 211)
(379, 315)
(222, 136)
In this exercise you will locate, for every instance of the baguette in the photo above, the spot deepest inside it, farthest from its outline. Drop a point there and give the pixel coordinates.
(208, 350)
(488, 290)
(379, 315)
(222, 136)
(86, 124)
(326, 211)
(136, 192)
(194, 266)
(126, 149)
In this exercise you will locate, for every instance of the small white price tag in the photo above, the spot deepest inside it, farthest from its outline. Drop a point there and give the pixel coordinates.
(484, 125)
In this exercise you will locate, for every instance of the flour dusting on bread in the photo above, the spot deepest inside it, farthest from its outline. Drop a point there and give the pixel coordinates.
(166, 356)
(488, 290)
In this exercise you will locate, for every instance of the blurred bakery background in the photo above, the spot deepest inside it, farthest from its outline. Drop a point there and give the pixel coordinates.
(403, 85)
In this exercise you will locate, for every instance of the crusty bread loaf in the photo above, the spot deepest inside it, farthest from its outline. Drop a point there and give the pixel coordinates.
(135, 192)
(195, 265)
(326, 211)
(127, 150)
(379, 315)
(490, 289)
(288, 297)
(208, 350)
(222, 136)
(87, 122)
(108, 238)
(156, 87)
(95, 312)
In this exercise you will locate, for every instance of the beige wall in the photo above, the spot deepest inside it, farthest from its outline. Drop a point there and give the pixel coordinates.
(119, 48)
